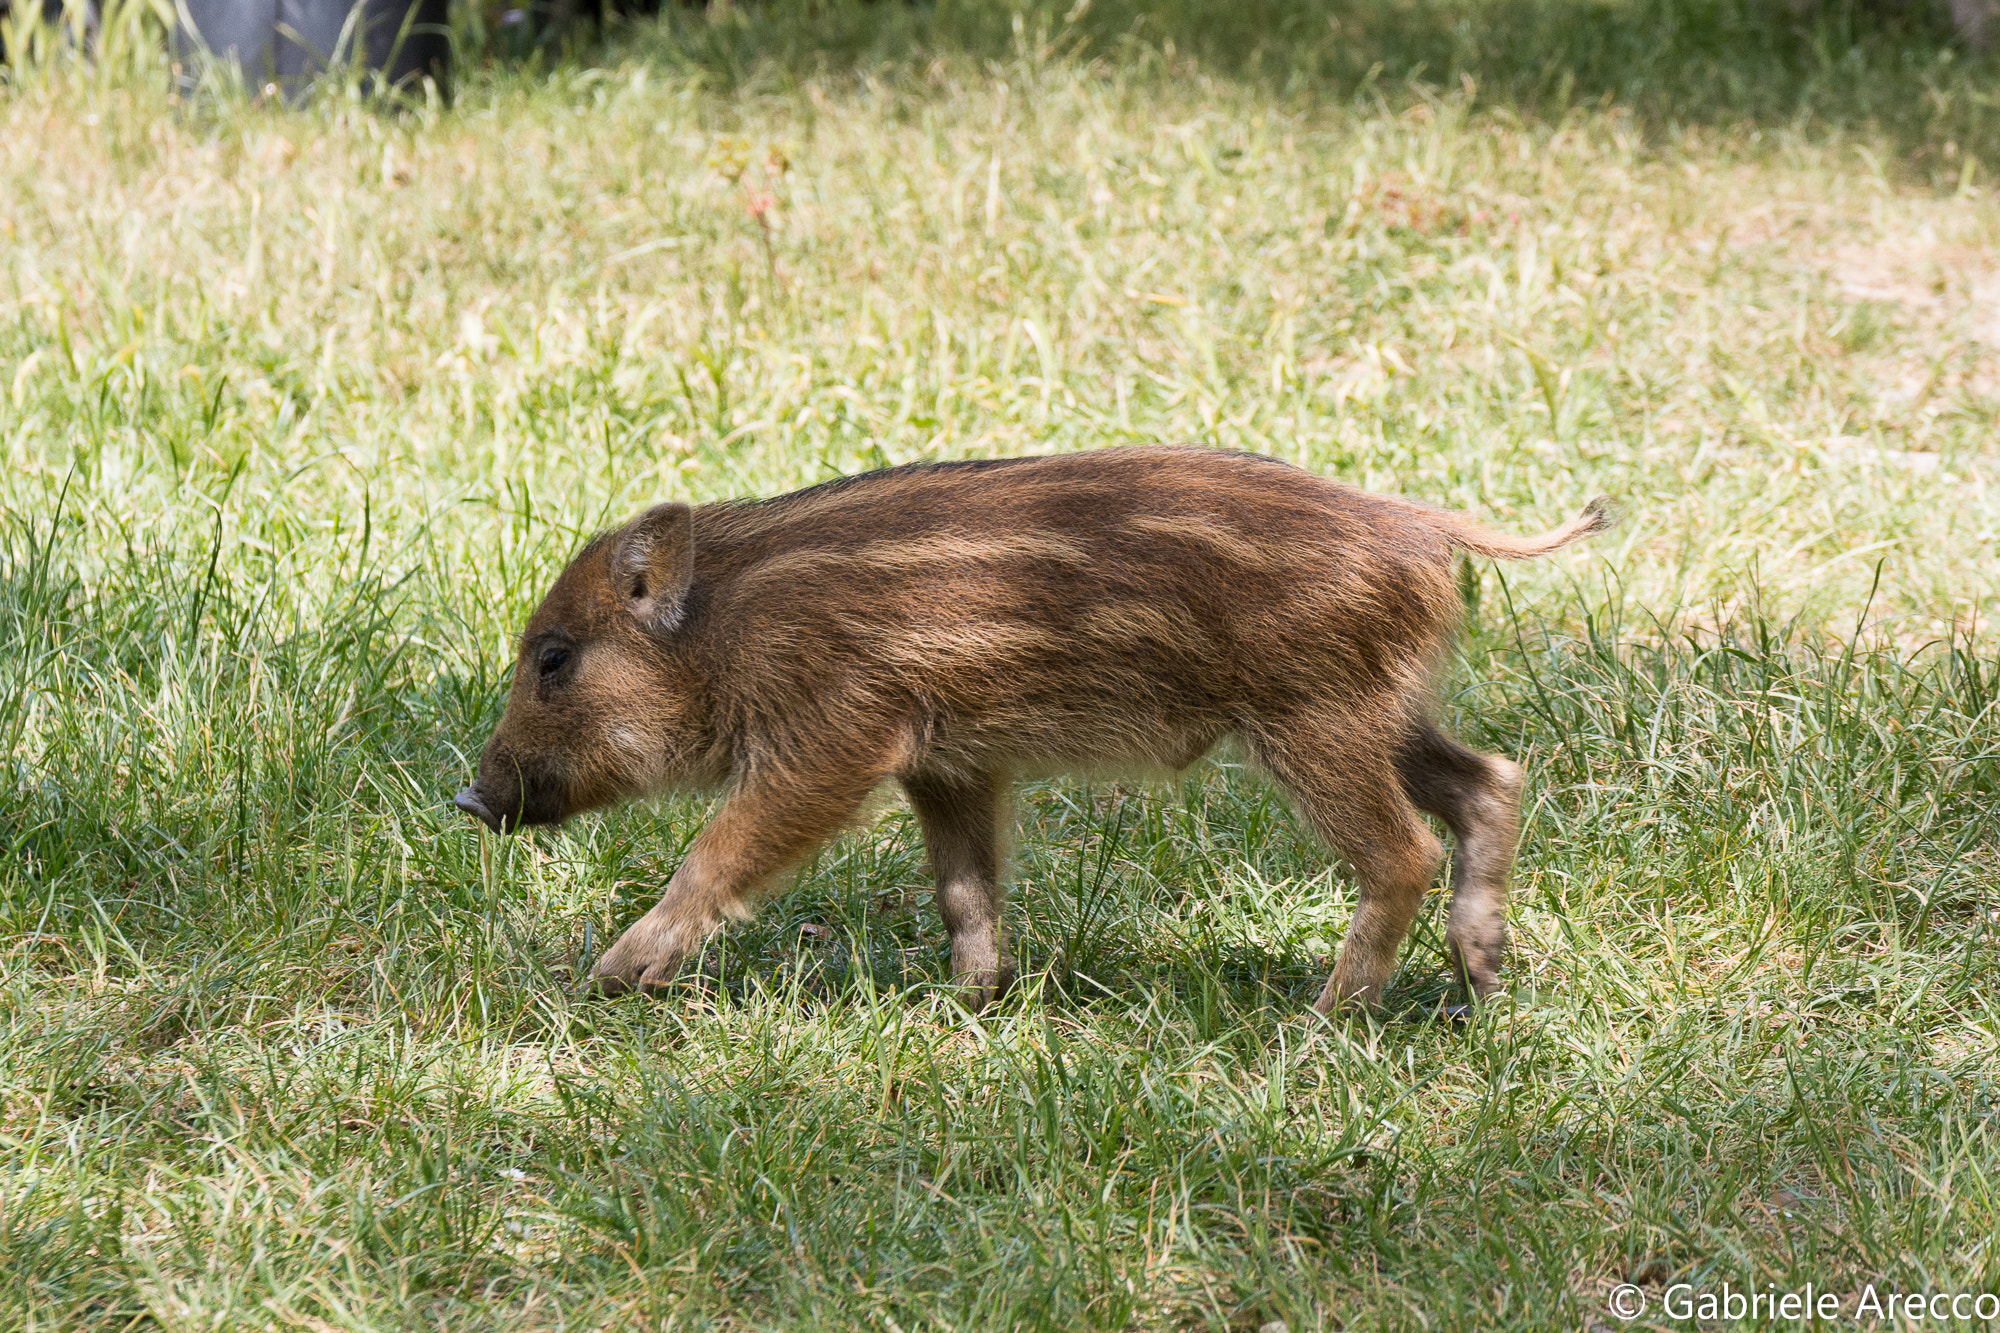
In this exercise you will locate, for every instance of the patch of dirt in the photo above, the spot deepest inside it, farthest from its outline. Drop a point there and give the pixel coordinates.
(1919, 273)
(1986, 308)
(1907, 272)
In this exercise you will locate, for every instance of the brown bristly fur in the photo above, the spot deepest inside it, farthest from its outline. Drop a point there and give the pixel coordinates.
(951, 626)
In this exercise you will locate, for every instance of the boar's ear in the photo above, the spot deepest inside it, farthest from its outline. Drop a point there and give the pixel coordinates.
(653, 563)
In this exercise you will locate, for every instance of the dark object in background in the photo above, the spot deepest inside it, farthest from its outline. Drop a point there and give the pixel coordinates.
(291, 42)
(525, 24)
(52, 10)
(597, 10)
(52, 14)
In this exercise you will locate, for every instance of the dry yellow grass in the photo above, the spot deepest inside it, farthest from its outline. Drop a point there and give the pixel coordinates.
(1780, 361)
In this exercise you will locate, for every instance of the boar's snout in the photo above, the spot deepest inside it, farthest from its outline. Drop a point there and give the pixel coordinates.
(507, 795)
(468, 801)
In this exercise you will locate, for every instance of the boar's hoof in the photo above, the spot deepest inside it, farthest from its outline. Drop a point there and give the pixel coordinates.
(646, 958)
(601, 987)
(653, 981)
(977, 990)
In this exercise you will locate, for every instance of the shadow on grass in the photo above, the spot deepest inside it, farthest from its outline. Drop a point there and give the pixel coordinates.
(1840, 65)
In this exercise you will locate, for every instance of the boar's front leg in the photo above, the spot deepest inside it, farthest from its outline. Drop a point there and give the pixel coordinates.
(961, 822)
(763, 829)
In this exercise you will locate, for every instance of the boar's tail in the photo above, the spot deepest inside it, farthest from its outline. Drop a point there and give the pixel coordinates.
(1467, 535)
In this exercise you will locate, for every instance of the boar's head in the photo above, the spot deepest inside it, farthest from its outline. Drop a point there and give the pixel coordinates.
(605, 703)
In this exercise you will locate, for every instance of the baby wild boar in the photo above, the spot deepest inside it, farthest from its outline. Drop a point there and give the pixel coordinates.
(952, 626)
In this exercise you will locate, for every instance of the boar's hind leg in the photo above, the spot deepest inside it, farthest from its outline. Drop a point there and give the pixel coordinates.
(758, 834)
(1350, 793)
(961, 823)
(1479, 799)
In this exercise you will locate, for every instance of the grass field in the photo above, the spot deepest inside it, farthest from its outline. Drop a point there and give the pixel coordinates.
(300, 408)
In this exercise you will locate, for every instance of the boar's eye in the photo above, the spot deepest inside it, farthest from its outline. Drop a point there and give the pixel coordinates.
(552, 659)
